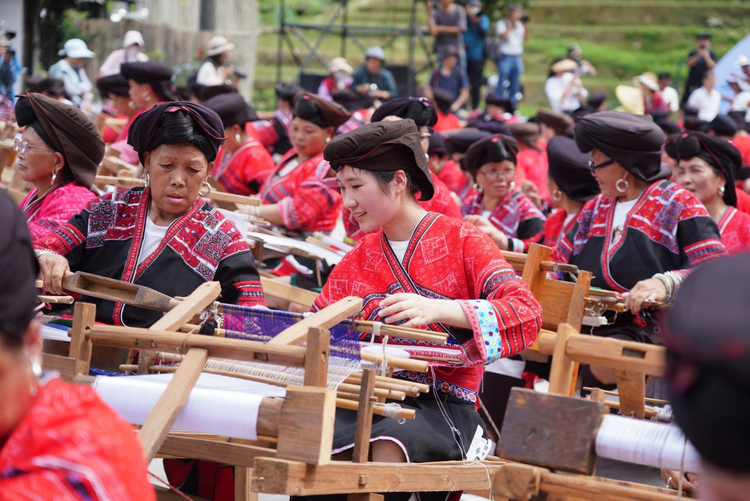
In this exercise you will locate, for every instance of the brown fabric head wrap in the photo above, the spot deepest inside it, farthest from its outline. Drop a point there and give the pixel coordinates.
(320, 111)
(495, 148)
(383, 147)
(67, 130)
(633, 141)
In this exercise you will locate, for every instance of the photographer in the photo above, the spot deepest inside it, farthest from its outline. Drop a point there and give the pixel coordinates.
(217, 70)
(477, 26)
(699, 61)
(372, 79)
(513, 33)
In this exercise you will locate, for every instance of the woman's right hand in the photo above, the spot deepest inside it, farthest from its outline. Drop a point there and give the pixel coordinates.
(53, 268)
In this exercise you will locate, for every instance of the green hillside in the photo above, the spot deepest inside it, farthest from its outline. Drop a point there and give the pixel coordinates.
(620, 38)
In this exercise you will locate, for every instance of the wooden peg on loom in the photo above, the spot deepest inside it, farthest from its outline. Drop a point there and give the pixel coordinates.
(362, 435)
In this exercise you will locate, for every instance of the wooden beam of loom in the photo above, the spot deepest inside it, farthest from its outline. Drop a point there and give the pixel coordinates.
(297, 295)
(111, 289)
(325, 318)
(197, 301)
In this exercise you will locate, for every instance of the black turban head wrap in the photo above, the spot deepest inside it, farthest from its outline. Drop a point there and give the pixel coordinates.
(718, 153)
(460, 141)
(113, 84)
(491, 126)
(559, 122)
(157, 75)
(437, 145)
(211, 91)
(286, 91)
(141, 134)
(232, 109)
(351, 100)
(569, 169)
(18, 270)
(320, 111)
(708, 361)
(419, 109)
(633, 141)
(496, 148)
(527, 132)
(383, 147)
(67, 130)
(722, 125)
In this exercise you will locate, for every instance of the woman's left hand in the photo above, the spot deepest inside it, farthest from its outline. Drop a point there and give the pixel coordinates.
(651, 289)
(417, 309)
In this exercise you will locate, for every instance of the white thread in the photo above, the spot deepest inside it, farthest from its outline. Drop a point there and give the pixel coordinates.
(658, 445)
(489, 477)
(393, 410)
(664, 414)
(682, 470)
(444, 413)
(384, 361)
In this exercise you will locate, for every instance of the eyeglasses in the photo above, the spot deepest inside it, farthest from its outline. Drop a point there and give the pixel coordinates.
(594, 166)
(494, 174)
(24, 146)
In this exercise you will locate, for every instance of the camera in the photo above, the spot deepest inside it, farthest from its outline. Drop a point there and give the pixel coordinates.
(525, 18)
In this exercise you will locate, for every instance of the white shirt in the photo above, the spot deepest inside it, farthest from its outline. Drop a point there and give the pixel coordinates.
(152, 237)
(618, 220)
(112, 65)
(555, 87)
(399, 248)
(210, 75)
(671, 98)
(741, 102)
(708, 103)
(513, 46)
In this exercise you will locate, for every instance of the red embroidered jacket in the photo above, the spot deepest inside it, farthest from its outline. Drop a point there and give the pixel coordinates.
(734, 227)
(201, 246)
(71, 445)
(307, 197)
(244, 171)
(54, 208)
(555, 227)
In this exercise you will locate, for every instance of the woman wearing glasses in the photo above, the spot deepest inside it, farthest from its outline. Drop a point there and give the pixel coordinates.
(499, 208)
(642, 234)
(58, 153)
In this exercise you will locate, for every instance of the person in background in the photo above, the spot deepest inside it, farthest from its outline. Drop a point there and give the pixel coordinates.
(373, 79)
(117, 89)
(699, 61)
(446, 119)
(57, 440)
(454, 174)
(668, 93)
(564, 88)
(451, 78)
(216, 70)
(8, 77)
(448, 24)
(477, 27)
(652, 99)
(575, 53)
(571, 184)
(131, 52)
(706, 167)
(553, 124)
(499, 209)
(513, 32)
(274, 134)
(69, 69)
(708, 389)
(361, 108)
(50, 87)
(242, 163)
(741, 99)
(531, 165)
(706, 98)
(340, 78)
(58, 153)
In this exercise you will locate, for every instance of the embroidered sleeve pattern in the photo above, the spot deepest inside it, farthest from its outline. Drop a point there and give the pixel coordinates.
(312, 202)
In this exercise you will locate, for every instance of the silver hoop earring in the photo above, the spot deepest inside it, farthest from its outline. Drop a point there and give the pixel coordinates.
(36, 366)
(328, 140)
(622, 189)
(146, 180)
(556, 195)
(477, 188)
(722, 190)
(237, 137)
(208, 189)
(54, 176)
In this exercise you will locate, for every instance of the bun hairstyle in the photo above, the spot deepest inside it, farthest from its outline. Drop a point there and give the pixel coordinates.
(179, 127)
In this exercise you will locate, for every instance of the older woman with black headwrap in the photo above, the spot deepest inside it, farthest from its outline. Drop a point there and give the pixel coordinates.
(145, 235)
(58, 152)
(57, 440)
(571, 184)
(499, 208)
(427, 270)
(643, 232)
(706, 167)
(300, 194)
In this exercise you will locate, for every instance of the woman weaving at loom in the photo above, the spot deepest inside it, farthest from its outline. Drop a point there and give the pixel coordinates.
(642, 233)
(58, 152)
(423, 112)
(499, 209)
(300, 193)
(427, 270)
(706, 167)
(162, 236)
(57, 440)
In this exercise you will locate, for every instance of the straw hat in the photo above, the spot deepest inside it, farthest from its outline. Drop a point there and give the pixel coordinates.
(218, 45)
(340, 64)
(648, 79)
(564, 65)
(631, 99)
